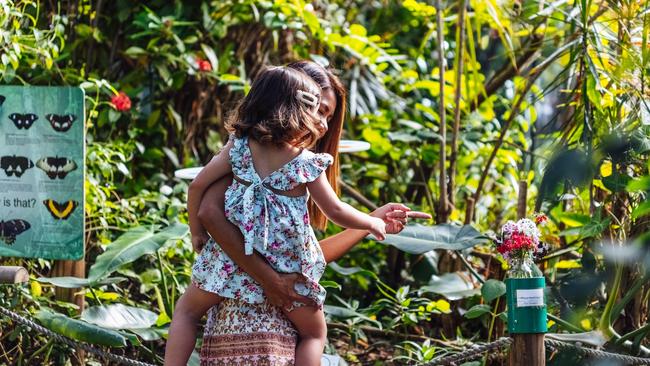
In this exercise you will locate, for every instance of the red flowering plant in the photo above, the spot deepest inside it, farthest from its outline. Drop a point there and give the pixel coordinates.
(520, 242)
(121, 102)
(203, 65)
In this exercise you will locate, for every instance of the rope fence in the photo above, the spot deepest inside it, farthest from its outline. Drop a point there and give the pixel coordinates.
(478, 350)
(70, 342)
(471, 353)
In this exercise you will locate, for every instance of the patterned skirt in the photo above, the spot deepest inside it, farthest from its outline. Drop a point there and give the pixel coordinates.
(241, 334)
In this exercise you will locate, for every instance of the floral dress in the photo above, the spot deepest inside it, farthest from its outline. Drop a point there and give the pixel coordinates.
(273, 224)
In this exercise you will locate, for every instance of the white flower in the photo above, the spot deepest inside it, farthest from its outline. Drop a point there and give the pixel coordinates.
(528, 228)
(508, 228)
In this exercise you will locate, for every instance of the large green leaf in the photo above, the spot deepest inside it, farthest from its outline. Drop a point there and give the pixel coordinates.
(594, 338)
(349, 271)
(341, 312)
(477, 310)
(132, 245)
(119, 316)
(76, 282)
(453, 286)
(492, 289)
(150, 334)
(80, 330)
(418, 239)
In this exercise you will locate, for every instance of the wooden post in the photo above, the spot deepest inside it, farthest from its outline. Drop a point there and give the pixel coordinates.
(75, 269)
(521, 200)
(66, 268)
(526, 349)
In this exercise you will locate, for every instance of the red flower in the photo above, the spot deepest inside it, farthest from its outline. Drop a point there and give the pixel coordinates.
(203, 65)
(121, 102)
(540, 219)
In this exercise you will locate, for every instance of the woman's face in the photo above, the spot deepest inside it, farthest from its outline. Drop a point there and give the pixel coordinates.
(326, 109)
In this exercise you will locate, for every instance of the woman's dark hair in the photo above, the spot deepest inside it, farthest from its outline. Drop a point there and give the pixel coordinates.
(329, 143)
(275, 111)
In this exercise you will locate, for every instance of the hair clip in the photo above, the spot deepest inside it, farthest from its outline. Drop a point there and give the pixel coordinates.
(308, 98)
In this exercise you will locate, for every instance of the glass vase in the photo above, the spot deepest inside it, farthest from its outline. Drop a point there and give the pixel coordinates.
(523, 267)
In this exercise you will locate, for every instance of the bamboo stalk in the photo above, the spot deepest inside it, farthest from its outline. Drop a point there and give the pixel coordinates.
(462, 5)
(443, 206)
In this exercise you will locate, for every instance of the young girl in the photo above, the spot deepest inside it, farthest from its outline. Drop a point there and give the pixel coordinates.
(274, 174)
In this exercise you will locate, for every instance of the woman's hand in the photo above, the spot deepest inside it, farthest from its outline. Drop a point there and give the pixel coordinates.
(199, 240)
(395, 215)
(280, 290)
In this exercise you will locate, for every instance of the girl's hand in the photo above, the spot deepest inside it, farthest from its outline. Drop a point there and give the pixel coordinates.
(280, 291)
(395, 216)
(377, 228)
(199, 240)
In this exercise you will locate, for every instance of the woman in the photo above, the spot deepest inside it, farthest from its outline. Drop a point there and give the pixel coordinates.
(259, 334)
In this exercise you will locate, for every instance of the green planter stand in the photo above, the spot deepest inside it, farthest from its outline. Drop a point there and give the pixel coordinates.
(526, 305)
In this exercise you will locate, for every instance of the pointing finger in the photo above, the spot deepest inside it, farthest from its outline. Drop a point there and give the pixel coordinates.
(418, 215)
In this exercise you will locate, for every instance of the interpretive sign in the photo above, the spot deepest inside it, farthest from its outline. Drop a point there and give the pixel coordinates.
(42, 172)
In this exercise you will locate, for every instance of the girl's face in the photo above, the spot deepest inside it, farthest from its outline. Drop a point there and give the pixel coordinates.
(326, 109)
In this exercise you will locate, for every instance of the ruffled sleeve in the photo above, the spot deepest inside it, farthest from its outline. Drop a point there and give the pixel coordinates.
(312, 166)
(304, 168)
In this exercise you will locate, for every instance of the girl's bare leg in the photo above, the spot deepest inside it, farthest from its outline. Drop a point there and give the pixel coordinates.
(190, 308)
(312, 334)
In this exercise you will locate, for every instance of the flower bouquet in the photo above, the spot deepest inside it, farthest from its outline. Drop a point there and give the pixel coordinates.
(519, 243)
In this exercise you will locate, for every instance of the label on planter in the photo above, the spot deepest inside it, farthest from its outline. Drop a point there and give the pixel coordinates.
(530, 297)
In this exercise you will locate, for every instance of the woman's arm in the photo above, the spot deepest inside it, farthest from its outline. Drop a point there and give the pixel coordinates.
(278, 288)
(393, 214)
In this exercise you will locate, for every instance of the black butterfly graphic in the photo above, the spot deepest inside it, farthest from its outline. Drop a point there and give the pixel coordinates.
(10, 229)
(2, 100)
(56, 167)
(61, 123)
(23, 120)
(60, 211)
(15, 165)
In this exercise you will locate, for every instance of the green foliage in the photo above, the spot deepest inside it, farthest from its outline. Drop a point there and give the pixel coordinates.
(418, 239)
(492, 289)
(80, 330)
(119, 316)
(553, 94)
(131, 246)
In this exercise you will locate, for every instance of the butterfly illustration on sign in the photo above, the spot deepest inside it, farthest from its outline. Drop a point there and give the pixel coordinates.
(56, 167)
(61, 123)
(60, 211)
(2, 100)
(15, 165)
(10, 229)
(23, 121)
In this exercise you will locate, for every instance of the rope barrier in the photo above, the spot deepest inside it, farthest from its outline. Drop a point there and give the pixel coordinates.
(628, 360)
(72, 343)
(477, 350)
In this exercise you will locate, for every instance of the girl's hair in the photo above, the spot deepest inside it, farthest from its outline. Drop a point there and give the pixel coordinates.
(280, 108)
(330, 142)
